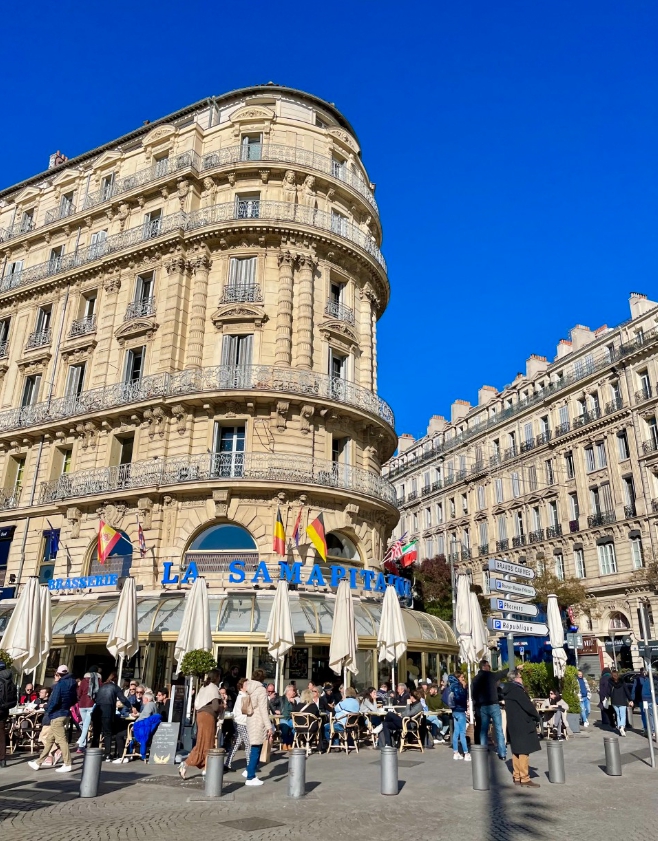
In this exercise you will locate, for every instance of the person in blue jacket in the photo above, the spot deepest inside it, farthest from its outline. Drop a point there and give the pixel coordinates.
(458, 703)
(62, 698)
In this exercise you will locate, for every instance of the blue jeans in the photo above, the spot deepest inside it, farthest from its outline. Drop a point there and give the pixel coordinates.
(621, 715)
(584, 709)
(435, 722)
(459, 731)
(85, 712)
(287, 731)
(254, 756)
(489, 713)
(327, 729)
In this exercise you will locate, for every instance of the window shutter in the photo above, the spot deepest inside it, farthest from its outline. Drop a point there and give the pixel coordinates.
(244, 347)
(606, 498)
(230, 351)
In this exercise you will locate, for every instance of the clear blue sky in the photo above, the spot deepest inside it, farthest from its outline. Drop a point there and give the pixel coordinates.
(513, 145)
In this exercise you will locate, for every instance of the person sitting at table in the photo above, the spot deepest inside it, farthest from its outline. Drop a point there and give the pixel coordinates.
(402, 695)
(28, 696)
(329, 699)
(308, 705)
(162, 702)
(438, 720)
(370, 708)
(343, 708)
(315, 692)
(393, 722)
(273, 700)
(559, 718)
(288, 705)
(384, 694)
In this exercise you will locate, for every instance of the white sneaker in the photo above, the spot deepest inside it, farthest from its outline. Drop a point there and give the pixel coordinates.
(436, 741)
(622, 732)
(456, 755)
(64, 769)
(467, 757)
(34, 765)
(119, 761)
(254, 782)
(244, 773)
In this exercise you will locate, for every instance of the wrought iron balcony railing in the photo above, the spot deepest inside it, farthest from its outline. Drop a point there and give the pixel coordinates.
(243, 292)
(62, 212)
(517, 541)
(643, 393)
(280, 468)
(478, 467)
(426, 490)
(629, 511)
(10, 500)
(83, 326)
(140, 309)
(510, 452)
(562, 428)
(261, 378)
(527, 445)
(586, 417)
(650, 446)
(38, 338)
(536, 536)
(604, 518)
(614, 405)
(411, 496)
(466, 553)
(543, 438)
(554, 531)
(483, 549)
(340, 311)
(502, 545)
(4, 349)
(654, 505)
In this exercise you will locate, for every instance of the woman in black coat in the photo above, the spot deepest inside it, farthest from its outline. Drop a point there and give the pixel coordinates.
(522, 719)
(620, 694)
(607, 713)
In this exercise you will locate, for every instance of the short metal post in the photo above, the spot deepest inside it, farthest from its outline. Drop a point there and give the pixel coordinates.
(612, 756)
(480, 764)
(297, 772)
(555, 762)
(389, 770)
(91, 772)
(214, 772)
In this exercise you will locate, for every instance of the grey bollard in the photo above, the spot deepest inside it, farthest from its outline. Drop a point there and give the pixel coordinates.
(214, 772)
(480, 764)
(555, 762)
(612, 756)
(389, 770)
(297, 773)
(91, 772)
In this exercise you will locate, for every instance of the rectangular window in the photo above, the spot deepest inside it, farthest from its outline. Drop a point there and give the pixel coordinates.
(502, 527)
(236, 351)
(152, 224)
(338, 223)
(337, 167)
(75, 379)
(143, 288)
(606, 498)
(55, 261)
(552, 513)
(97, 245)
(569, 465)
(428, 518)
(543, 425)
(590, 464)
(228, 450)
(242, 278)
(14, 476)
(559, 567)
(601, 458)
(89, 304)
(161, 166)
(536, 518)
(464, 500)
(441, 544)
(564, 416)
(607, 559)
(415, 522)
(134, 369)
(636, 553)
(426, 481)
(481, 497)
(574, 511)
(498, 485)
(579, 563)
(5, 324)
(652, 427)
(31, 390)
(429, 547)
(516, 485)
(247, 206)
(532, 477)
(527, 433)
(66, 207)
(42, 324)
(466, 539)
(107, 186)
(251, 147)
(622, 446)
(518, 524)
(550, 475)
(439, 512)
(453, 512)
(27, 220)
(483, 528)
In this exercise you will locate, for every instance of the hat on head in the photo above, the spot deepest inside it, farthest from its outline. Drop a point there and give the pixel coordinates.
(63, 670)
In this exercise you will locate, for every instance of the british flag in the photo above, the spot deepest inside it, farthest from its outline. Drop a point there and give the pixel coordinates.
(394, 551)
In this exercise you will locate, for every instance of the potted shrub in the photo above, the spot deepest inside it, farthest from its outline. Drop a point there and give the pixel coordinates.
(570, 693)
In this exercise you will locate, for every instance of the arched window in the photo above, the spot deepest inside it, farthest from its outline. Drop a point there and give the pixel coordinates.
(215, 547)
(618, 622)
(119, 560)
(341, 548)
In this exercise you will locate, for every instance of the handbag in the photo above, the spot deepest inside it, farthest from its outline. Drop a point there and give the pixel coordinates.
(247, 708)
(606, 703)
(266, 751)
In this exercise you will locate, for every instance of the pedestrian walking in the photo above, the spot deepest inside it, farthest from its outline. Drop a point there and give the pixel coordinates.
(458, 702)
(104, 715)
(208, 704)
(87, 690)
(522, 720)
(484, 691)
(259, 727)
(241, 736)
(620, 695)
(8, 699)
(584, 696)
(62, 698)
(607, 713)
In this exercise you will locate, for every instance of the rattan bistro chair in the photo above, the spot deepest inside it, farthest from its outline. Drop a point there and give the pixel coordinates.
(351, 726)
(410, 736)
(307, 731)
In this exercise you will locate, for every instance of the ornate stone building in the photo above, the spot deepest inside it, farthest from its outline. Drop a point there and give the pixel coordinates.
(188, 338)
(559, 468)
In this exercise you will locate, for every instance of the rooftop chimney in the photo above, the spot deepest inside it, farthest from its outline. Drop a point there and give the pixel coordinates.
(437, 424)
(563, 348)
(459, 410)
(640, 304)
(56, 159)
(535, 365)
(405, 441)
(581, 336)
(486, 394)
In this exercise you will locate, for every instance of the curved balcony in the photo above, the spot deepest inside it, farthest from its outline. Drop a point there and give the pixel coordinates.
(201, 164)
(274, 211)
(281, 468)
(217, 378)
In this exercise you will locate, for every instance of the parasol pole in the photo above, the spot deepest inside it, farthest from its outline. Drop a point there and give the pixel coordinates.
(120, 671)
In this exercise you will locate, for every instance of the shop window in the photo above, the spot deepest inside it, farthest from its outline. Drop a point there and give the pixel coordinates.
(341, 548)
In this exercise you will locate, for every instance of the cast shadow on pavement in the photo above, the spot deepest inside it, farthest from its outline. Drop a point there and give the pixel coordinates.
(514, 814)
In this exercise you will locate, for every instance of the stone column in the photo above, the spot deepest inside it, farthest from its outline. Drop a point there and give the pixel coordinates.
(369, 293)
(365, 337)
(200, 268)
(105, 324)
(306, 269)
(283, 349)
(173, 306)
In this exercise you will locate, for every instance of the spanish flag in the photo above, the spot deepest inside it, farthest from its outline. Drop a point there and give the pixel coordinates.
(107, 540)
(316, 532)
(279, 543)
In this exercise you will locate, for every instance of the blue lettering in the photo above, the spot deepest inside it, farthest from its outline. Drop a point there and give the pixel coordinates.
(380, 586)
(167, 577)
(337, 574)
(316, 577)
(368, 576)
(290, 572)
(261, 571)
(236, 570)
(353, 584)
(191, 573)
(114, 579)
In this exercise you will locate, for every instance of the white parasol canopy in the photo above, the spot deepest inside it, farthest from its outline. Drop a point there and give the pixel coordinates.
(480, 634)
(45, 604)
(556, 636)
(22, 636)
(464, 621)
(280, 634)
(392, 637)
(195, 630)
(344, 639)
(123, 641)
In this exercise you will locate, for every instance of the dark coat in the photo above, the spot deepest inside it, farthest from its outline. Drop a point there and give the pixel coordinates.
(8, 693)
(620, 693)
(63, 697)
(522, 718)
(485, 687)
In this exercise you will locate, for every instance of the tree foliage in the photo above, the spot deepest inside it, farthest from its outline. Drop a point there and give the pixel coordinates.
(5, 658)
(569, 592)
(434, 588)
(197, 663)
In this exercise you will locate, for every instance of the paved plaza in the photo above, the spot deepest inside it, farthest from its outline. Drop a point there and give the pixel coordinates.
(436, 794)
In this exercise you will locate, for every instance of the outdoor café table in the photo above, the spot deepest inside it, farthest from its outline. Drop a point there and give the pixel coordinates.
(546, 714)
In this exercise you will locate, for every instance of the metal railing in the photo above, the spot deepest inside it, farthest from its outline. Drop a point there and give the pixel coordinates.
(629, 511)
(466, 553)
(8, 501)
(643, 393)
(483, 549)
(140, 309)
(502, 545)
(517, 541)
(62, 212)
(614, 405)
(83, 326)
(650, 446)
(411, 496)
(340, 311)
(554, 531)
(244, 292)
(217, 378)
(604, 518)
(38, 338)
(4, 349)
(543, 438)
(536, 536)
(280, 468)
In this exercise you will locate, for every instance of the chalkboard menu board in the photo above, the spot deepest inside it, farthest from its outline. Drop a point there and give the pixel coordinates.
(298, 663)
(163, 744)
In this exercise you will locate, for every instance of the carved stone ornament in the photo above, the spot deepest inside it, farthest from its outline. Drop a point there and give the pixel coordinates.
(154, 419)
(112, 513)
(341, 333)
(4, 367)
(80, 351)
(253, 117)
(36, 362)
(344, 139)
(221, 498)
(305, 415)
(87, 432)
(158, 136)
(112, 284)
(352, 512)
(136, 327)
(289, 187)
(179, 416)
(279, 415)
(242, 313)
(73, 517)
(145, 509)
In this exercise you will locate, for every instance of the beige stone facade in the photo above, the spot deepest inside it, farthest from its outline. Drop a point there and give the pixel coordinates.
(559, 468)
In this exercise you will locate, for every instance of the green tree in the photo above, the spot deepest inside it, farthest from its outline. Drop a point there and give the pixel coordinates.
(570, 591)
(434, 589)
(197, 663)
(5, 658)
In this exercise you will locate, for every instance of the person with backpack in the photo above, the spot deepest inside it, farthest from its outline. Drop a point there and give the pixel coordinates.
(456, 694)
(8, 700)
(62, 698)
(208, 704)
(87, 691)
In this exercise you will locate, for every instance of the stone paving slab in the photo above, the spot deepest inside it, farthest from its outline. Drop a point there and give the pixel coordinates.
(138, 801)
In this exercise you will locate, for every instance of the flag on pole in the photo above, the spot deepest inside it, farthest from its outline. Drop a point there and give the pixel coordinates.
(296, 534)
(394, 552)
(107, 540)
(279, 542)
(316, 532)
(409, 554)
(140, 537)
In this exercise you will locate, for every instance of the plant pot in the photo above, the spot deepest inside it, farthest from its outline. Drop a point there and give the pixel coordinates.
(573, 720)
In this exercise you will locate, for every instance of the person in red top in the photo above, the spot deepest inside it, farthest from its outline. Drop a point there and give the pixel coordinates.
(87, 689)
(29, 695)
